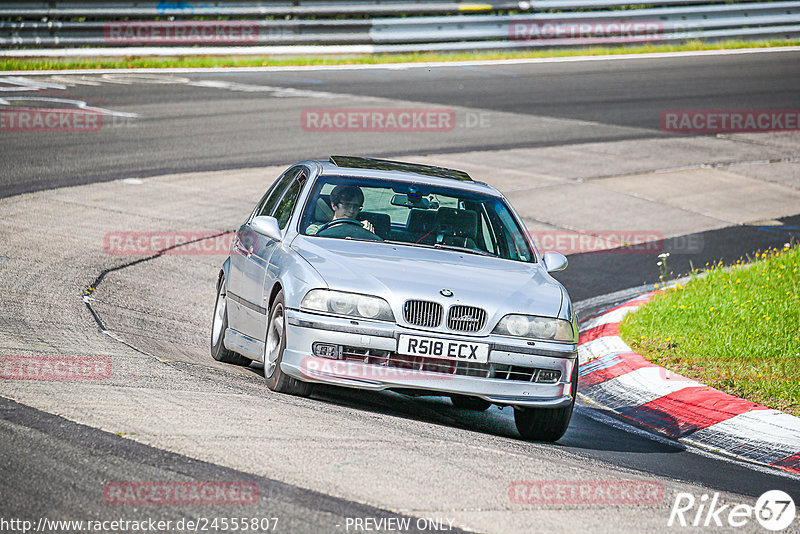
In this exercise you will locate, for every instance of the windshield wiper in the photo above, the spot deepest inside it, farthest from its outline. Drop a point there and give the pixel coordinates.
(350, 238)
(464, 249)
(407, 243)
(442, 247)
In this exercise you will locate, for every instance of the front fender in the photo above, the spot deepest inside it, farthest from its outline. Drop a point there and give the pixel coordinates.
(294, 274)
(225, 271)
(567, 312)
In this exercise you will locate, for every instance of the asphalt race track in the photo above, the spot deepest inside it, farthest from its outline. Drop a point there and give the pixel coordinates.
(198, 141)
(237, 120)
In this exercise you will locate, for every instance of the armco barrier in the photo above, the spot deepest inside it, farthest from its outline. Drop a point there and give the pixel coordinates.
(374, 26)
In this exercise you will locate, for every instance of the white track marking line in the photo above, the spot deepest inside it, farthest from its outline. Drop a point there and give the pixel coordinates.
(405, 66)
(17, 84)
(80, 104)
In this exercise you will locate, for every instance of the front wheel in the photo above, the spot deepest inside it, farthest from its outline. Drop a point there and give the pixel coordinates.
(546, 424)
(218, 326)
(277, 380)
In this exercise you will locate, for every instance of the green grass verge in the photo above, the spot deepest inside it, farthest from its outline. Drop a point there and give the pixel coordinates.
(134, 61)
(737, 330)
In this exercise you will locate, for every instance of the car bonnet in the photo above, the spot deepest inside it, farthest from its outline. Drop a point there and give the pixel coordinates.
(398, 273)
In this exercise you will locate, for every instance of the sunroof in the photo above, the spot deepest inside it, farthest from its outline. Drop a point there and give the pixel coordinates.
(386, 165)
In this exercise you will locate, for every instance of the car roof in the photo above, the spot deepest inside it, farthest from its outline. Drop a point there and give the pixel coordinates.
(354, 162)
(402, 171)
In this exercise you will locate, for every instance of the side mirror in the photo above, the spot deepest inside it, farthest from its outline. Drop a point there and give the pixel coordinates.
(554, 261)
(266, 226)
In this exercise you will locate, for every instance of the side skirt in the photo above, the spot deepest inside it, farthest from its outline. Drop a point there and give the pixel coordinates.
(244, 345)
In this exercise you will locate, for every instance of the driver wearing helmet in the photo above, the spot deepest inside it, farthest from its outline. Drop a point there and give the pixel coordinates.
(346, 201)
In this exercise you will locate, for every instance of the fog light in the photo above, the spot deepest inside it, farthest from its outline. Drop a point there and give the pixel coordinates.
(326, 350)
(549, 376)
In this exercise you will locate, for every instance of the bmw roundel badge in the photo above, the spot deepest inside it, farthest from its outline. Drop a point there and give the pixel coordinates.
(446, 293)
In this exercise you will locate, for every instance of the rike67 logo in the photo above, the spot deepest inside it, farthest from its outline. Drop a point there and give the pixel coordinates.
(774, 510)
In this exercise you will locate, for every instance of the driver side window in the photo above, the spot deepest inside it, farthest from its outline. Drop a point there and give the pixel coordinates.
(270, 200)
(286, 206)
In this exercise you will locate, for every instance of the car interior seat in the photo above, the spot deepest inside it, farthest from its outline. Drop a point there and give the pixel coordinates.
(457, 227)
(323, 213)
(421, 225)
(380, 221)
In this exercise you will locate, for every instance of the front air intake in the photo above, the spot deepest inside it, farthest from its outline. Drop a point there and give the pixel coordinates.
(466, 318)
(423, 313)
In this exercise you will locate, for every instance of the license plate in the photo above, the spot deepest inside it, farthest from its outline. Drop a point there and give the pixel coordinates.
(447, 349)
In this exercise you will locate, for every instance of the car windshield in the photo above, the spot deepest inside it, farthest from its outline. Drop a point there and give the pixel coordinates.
(414, 214)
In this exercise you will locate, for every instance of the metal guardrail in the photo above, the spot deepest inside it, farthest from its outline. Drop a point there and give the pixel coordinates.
(427, 25)
(248, 9)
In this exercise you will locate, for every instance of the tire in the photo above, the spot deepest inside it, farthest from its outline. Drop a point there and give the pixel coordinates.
(546, 424)
(219, 324)
(466, 402)
(273, 354)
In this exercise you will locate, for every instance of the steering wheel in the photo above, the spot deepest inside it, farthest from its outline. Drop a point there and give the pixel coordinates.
(337, 222)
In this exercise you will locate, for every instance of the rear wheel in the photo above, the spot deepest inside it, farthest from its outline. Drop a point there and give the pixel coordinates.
(218, 326)
(546, 424)
(466, 402)
(277, 380)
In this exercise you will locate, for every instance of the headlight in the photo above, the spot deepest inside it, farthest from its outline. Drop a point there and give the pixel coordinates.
(351, 304)
(535, 327)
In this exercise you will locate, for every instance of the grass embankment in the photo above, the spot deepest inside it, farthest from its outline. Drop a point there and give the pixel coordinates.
(134, 62)
(737, 330)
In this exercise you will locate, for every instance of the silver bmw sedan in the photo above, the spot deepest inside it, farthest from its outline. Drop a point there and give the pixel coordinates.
(377, 275)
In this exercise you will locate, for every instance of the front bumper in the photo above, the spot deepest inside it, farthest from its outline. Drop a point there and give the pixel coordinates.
(497, 382)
